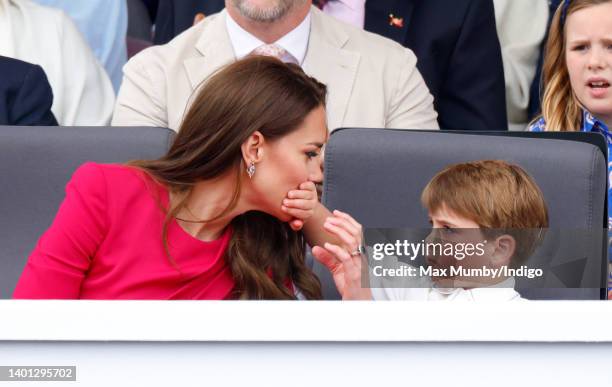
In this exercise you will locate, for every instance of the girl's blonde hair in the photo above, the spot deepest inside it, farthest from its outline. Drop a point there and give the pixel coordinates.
(560, 107)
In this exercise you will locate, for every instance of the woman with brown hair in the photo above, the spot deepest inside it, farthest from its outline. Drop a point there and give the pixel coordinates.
(217, 217)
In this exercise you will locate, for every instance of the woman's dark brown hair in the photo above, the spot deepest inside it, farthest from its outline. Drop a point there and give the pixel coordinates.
(254, 94)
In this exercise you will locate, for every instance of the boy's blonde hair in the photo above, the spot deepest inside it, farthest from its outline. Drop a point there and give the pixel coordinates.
(560, 107)
(495, 195)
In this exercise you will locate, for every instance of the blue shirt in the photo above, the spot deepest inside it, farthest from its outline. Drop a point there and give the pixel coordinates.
(103, 23)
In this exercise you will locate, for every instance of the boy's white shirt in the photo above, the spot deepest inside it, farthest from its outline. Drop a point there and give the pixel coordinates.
(419, 288)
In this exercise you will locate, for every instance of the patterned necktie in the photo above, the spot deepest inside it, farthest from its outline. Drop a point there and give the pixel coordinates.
(276, 52)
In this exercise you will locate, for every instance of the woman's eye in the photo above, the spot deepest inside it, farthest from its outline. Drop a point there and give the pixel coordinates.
(312, 154)
(448, 230)
(580, 47)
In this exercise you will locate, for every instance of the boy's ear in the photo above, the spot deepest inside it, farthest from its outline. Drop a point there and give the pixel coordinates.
(505, 246)
(252, 148)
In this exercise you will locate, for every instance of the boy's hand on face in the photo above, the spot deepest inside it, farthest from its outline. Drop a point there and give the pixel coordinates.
(300, 204)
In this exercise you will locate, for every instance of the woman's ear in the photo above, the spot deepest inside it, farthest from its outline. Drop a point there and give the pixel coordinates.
(252, 148)
(504, 245)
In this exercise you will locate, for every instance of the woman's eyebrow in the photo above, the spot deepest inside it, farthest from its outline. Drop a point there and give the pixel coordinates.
(317, 144)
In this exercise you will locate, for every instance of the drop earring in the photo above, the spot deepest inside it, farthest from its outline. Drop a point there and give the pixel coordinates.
(251, 170)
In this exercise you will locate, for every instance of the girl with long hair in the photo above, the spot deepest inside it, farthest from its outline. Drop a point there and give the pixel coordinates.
(577, 73)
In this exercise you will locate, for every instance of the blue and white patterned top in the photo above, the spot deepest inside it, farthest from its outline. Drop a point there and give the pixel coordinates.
(590, 124)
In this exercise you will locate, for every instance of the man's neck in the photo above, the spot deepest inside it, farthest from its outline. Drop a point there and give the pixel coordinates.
(273, 31)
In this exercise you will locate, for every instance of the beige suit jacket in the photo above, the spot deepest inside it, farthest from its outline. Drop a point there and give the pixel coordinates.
(372, 81)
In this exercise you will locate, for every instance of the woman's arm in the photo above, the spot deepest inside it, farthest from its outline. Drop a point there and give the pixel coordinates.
(317, 222)
(58, 265)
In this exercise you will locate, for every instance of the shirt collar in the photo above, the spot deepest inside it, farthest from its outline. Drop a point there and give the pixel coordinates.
(295, 42)
(501, 291)
(590, 123)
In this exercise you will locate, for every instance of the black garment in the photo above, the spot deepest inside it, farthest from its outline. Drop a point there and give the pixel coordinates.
(25, 94)
(535, 100)
(175, 16)
(458, 54)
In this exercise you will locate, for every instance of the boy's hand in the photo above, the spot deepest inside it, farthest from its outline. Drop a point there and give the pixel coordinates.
(300, 204)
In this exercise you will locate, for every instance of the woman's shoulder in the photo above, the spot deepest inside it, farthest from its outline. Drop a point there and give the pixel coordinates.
(120, 178)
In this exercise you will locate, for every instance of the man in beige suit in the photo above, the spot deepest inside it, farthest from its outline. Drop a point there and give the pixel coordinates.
(372, 81)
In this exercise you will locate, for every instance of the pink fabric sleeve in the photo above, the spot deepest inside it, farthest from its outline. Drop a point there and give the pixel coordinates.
(57, 266)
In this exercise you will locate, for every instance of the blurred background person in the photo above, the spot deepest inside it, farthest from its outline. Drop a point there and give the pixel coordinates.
(25, 94)
(455, 43)
(372, 81)
(521, 27)
(103, 23)
(458, 54)
(83, 93)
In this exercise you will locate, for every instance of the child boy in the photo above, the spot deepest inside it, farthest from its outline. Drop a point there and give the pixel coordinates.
(491, 202)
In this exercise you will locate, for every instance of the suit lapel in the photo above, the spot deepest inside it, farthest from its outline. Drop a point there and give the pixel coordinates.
(213, 51)
(378, 14)
(331, 64)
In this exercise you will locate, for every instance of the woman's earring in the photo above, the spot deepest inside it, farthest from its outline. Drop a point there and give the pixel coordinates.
(251, 170)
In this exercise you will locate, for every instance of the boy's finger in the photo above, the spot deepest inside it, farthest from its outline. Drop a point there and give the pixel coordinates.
(297, 213)
(296, 224)
(299, 204)
(308, 185)
(301, 194)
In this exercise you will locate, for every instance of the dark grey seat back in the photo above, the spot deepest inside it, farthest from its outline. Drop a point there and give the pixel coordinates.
(35, 165)
(377, 175)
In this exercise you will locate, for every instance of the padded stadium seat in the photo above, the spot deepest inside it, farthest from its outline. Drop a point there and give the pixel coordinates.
(35, 165)
(377, 175)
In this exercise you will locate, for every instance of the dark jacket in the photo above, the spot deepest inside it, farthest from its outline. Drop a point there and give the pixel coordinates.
(175, 16)
(458, 54)
(25, 94)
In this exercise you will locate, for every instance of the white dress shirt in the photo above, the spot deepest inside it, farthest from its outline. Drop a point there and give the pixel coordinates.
(295, 42)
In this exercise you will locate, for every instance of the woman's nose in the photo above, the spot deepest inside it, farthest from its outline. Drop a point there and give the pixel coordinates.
(316, 174)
